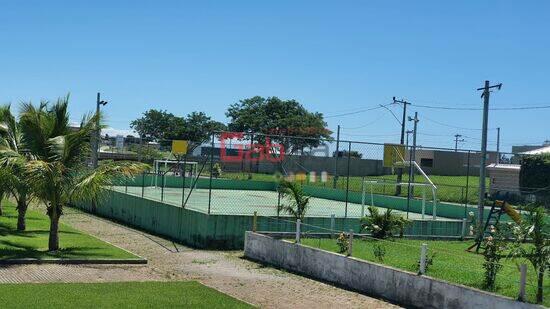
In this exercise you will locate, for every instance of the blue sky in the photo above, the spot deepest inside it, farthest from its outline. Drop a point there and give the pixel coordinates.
(334, 57)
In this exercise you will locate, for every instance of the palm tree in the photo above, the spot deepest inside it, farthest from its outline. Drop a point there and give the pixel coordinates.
(383, 225)
(298, 202)
(3, 189)
(59, 174)
(12, 161)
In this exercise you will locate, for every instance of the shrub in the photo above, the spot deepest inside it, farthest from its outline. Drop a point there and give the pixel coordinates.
(296, 201)
(383, 225)
(429, 262)
(494, 246)
(535, 227)
(343, 243)
(379, 252)
(216, 170)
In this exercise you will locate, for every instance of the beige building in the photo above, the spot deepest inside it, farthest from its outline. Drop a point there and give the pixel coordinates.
(504, 178)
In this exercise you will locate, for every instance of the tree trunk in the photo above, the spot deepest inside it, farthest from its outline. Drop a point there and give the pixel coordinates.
(53, 242)
(21, 213)
(540, 284)
(94, 206)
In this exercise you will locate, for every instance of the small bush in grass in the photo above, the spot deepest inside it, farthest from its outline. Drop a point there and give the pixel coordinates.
(429, 262)
(379, 252)
(216, 170)
(494, 245)
(343, 243)
(535, 228)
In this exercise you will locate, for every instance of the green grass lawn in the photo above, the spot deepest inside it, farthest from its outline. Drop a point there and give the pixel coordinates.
(451, 263)
(115, 295)
(33, 243)
(450, 188)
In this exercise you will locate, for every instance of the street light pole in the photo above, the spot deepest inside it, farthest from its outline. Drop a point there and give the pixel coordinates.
(96, 138)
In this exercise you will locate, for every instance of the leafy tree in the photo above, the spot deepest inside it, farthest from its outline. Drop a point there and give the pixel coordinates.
(297, 203)
(534, 176)
(58, 173)
(162, 126)
(535, 227)
(383, 225)
(197, 128)
(279, 118)
(156, 124)
(13, 158)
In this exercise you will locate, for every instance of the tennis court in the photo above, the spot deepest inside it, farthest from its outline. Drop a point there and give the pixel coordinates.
(246, 202)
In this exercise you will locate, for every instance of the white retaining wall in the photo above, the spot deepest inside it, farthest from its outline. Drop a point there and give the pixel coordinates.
(398, 286)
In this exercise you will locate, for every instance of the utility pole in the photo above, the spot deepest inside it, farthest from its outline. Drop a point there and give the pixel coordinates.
(407, 142)
(412, 158)
(335, 175)
(416, 120)
(498, 145)
(457, 140)
(400, 171)
(481, 203)
(96, 138)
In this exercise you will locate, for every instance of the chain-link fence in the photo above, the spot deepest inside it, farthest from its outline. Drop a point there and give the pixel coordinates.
(239, 173)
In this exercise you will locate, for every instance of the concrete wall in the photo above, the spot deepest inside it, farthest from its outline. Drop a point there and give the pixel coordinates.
(401, 287)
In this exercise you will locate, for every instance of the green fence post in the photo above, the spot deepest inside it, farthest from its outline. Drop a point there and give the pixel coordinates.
(162, 189)
(211, 166)
(255, 222)
(467, 176)
(347, 180)
(278, 203)
(143, 185)
(183, 176)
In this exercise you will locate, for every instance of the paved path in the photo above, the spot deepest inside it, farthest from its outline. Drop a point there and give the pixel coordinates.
(222, 270)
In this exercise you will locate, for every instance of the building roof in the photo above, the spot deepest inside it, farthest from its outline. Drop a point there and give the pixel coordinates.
(495, 166)
(541, 150)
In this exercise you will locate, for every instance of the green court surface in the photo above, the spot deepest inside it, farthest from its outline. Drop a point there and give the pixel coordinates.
(246, 202)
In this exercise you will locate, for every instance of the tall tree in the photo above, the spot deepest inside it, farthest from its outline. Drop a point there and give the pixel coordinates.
(13, 158)
(196, 127)
(58, 173)
(156, 124)
(534, 177)
(279, 118)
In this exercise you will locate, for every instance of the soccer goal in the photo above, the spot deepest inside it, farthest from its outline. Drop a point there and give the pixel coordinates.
(174, 167)
(426, 186)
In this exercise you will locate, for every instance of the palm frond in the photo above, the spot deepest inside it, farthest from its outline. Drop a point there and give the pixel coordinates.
(91, 185)
(297, 203)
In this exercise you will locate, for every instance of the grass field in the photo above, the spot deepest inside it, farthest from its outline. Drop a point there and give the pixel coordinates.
(450, 188)
(115, 295)
(451, 262)
(33, 243)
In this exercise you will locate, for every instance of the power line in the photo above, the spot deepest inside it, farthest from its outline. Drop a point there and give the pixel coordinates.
(452, 126)
(367, 124)
(480, 109)
(372, 135)
(357, 112)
